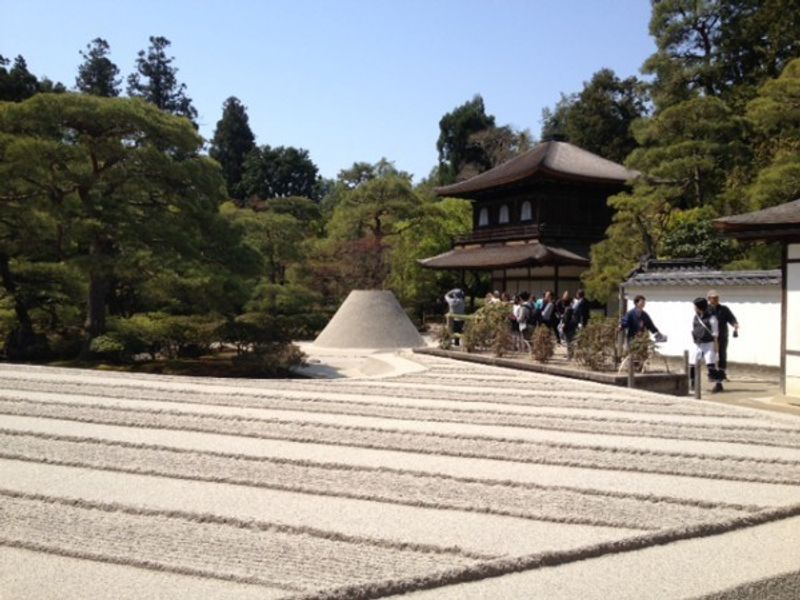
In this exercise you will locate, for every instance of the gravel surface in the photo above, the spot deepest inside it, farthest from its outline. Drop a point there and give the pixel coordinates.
(459, 479)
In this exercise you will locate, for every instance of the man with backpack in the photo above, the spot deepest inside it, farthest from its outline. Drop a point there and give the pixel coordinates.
(705, 333)
(527, 315)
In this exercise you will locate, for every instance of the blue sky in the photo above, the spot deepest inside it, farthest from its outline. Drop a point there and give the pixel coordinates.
(349, 80)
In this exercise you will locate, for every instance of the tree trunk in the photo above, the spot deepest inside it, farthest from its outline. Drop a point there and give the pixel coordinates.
(99, 285)
(23, 338)
(96, 307)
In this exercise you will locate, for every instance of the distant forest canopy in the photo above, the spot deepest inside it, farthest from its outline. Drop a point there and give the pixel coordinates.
(123, 234)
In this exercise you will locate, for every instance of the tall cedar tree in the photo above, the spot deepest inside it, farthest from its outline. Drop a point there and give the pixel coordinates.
(155, 80)
(233, 140)
(97, 75)
(17, 83)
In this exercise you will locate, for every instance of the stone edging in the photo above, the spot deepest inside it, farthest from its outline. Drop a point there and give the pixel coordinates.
(667, 383)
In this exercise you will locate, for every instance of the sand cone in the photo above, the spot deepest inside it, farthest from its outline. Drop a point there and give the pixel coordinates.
(370, 319)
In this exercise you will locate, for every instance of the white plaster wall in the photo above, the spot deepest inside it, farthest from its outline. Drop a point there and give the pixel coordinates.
(793, 376)
(757, 308)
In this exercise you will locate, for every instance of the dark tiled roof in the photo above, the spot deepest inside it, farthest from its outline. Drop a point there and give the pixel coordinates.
(783, 214)
(552, 158)
(704, 278)
(510, 255)
(674, 264)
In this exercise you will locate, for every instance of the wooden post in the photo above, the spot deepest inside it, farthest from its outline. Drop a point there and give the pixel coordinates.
(698, 379)
(631, 382)
(556, 282)
(686, 370)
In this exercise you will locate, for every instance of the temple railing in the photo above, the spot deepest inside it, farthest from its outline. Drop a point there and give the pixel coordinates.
(526, 232)
(498, 234)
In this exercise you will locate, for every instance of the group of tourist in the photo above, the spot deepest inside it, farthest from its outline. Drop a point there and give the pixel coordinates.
(566, 316)
(710, 328)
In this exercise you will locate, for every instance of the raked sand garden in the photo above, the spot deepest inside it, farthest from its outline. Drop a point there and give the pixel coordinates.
(433, 479)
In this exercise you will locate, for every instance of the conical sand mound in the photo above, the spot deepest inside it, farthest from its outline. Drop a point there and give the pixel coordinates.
(370, 319)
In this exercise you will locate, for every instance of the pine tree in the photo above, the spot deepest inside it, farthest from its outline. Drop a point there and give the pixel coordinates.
(233, 140)
(97, 75)
(156, 81)
(16, 83)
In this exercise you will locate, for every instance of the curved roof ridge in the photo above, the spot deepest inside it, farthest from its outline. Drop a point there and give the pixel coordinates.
(553, 157)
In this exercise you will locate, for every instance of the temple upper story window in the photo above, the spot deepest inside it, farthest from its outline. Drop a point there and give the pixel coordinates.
(483, 217)
(526, 212)
(503, 217)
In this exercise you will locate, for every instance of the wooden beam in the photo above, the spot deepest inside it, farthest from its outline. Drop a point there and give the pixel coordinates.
(784, 311)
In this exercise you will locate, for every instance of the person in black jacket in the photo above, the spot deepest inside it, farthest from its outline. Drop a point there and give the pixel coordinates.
(725, 317)
(636, 320)
(705, 333)
(581, 308)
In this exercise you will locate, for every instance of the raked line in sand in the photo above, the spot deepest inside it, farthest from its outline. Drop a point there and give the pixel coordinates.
(538, 395)
(481, 416)
(727, 430)
(413, 488)
(714, 466)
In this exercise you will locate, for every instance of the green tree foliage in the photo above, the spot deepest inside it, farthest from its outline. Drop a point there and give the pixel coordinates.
(18, 83)
(279, 173)
(121, 183)
(417, 288)
(687, 34)
(233, 140)
(155, 80)
(455, 149)
(97, 75)
(690, 147)
(775, 115)
(692, 235)
(598, 118)
(722, 48)
(639, 224)
(686, 153)
(363, 226)
(758, 39)
(276, 236)
(723, 138)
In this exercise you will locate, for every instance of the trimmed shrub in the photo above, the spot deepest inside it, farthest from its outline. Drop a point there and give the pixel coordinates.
(272, 359)
(595, 346)
(109, 347)
(543, 344)
(490, 328)
(642, 347)
(159, 334)
(442, 336)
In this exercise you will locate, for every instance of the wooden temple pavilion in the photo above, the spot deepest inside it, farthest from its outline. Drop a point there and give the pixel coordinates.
(535, 218)
(778, 224)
